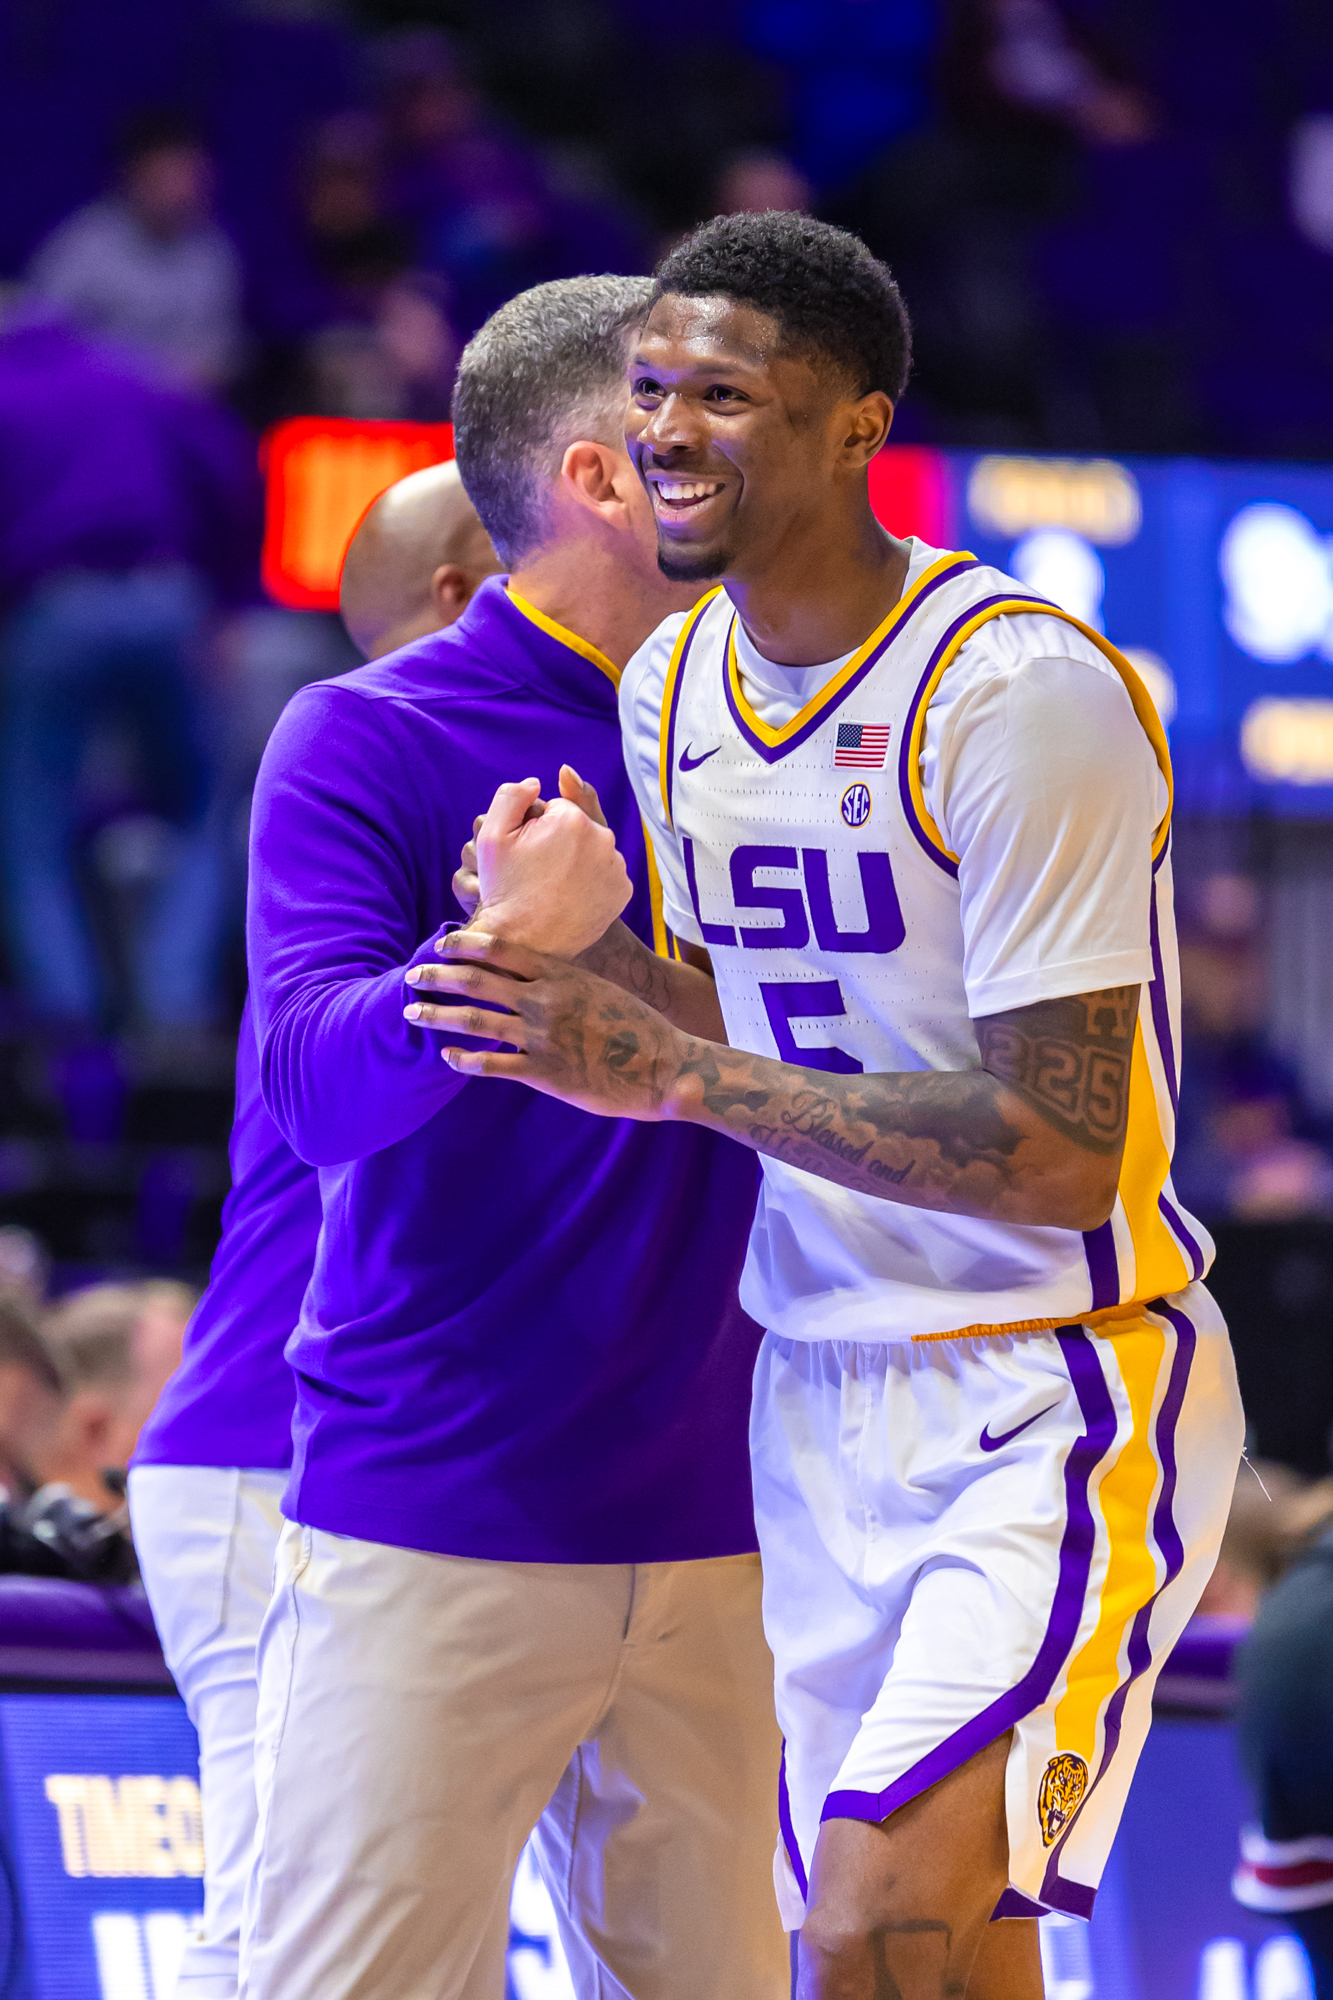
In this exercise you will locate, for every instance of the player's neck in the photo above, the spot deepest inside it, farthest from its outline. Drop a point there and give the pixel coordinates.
(594, 592)
(819, 600)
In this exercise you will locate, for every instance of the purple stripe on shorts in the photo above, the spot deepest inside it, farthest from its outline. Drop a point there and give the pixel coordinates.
(1167, 1536)
(1074, 1899)
(788, 1830)
(1165, 1531)
(1161, 1018)
(1176, 1223)
(1103, 1266)
(1076, 1549)
(1013, 1903)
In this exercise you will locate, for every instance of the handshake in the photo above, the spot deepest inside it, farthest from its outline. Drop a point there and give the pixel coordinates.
(545, 874)
(556, 990)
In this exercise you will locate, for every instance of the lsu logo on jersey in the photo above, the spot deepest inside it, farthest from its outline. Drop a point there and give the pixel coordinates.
(806, 901)
(1060, 1794)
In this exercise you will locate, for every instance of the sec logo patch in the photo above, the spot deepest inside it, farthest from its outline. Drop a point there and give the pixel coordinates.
(856, 805)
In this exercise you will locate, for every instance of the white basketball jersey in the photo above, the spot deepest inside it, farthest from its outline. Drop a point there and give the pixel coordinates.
(831, 908)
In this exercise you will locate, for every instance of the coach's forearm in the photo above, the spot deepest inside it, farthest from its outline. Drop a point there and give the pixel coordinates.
(340, 1077)
(685, 994)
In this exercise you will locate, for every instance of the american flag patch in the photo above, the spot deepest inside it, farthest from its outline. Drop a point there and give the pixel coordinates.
(861, 746)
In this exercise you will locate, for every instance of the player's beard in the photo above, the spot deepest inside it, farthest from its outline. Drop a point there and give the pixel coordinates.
(679, 566)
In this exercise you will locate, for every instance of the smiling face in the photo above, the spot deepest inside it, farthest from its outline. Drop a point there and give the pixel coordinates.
(741, 445)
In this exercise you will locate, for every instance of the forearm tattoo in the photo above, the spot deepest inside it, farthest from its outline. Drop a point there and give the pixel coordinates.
(1070, 1060)
(910, 1137)
(622, 958)
(952, 1139)
(684, 993)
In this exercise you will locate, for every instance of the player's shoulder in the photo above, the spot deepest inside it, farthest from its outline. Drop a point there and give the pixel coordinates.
(1015, 640)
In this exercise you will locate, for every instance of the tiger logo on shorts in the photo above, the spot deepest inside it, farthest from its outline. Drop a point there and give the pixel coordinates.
(1060, 1793)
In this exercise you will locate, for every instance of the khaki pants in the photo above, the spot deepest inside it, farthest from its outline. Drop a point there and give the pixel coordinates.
(421, 1715)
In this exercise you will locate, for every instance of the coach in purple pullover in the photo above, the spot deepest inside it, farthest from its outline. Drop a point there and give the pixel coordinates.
(214, 1457)
(518, 1589)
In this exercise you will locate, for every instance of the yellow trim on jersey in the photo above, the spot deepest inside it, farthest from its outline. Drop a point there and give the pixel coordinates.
(833, 688)
(661, 944)
(692, 618)
(1160, 1265)
(584, 647)
(1138, 694)
(1124, 1498)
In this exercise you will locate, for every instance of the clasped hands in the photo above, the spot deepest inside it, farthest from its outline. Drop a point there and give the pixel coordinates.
(544, 881)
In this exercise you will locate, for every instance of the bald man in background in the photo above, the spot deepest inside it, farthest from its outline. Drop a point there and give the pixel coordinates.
(213, 1459)
(414, 562)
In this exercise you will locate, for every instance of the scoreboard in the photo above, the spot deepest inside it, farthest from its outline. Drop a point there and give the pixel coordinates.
(1216, 579)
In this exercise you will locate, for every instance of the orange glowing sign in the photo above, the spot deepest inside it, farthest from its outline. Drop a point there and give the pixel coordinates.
(321, 474)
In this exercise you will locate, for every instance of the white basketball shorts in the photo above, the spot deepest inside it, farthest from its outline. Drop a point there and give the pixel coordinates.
(963, 1537)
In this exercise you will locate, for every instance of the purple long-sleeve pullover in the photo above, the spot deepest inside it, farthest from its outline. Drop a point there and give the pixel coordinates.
(521, 1339)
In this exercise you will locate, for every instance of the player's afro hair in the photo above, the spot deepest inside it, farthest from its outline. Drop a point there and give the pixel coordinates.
(829, 295)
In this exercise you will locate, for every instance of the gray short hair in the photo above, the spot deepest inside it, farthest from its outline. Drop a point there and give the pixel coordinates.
(539, 374)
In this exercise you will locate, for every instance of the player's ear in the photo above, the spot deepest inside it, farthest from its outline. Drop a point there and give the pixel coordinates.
(870, 419)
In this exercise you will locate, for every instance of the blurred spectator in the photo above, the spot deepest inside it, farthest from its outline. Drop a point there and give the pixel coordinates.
(1034, 60)
(366, 335)
(483, 208)
(354, 245)
(25, 1264)
(165, 1307)
(147, 266)
(344, 246)
(433, 114)
(858, 73)
(1285, 1726)
(30, 1397)
(1269, 1173)
(759, 179)
(1247, 1147)
(114, 1347)
(1311, 179)
(399, 363)
(127, 510)
(1012, 216)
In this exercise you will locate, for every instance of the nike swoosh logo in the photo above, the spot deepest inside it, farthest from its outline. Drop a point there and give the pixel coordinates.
(688, 763)
(988, 1443)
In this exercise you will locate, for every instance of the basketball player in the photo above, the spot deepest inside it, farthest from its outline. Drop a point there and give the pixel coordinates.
(518, 1588)
(215, 1455)
(919, 820)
